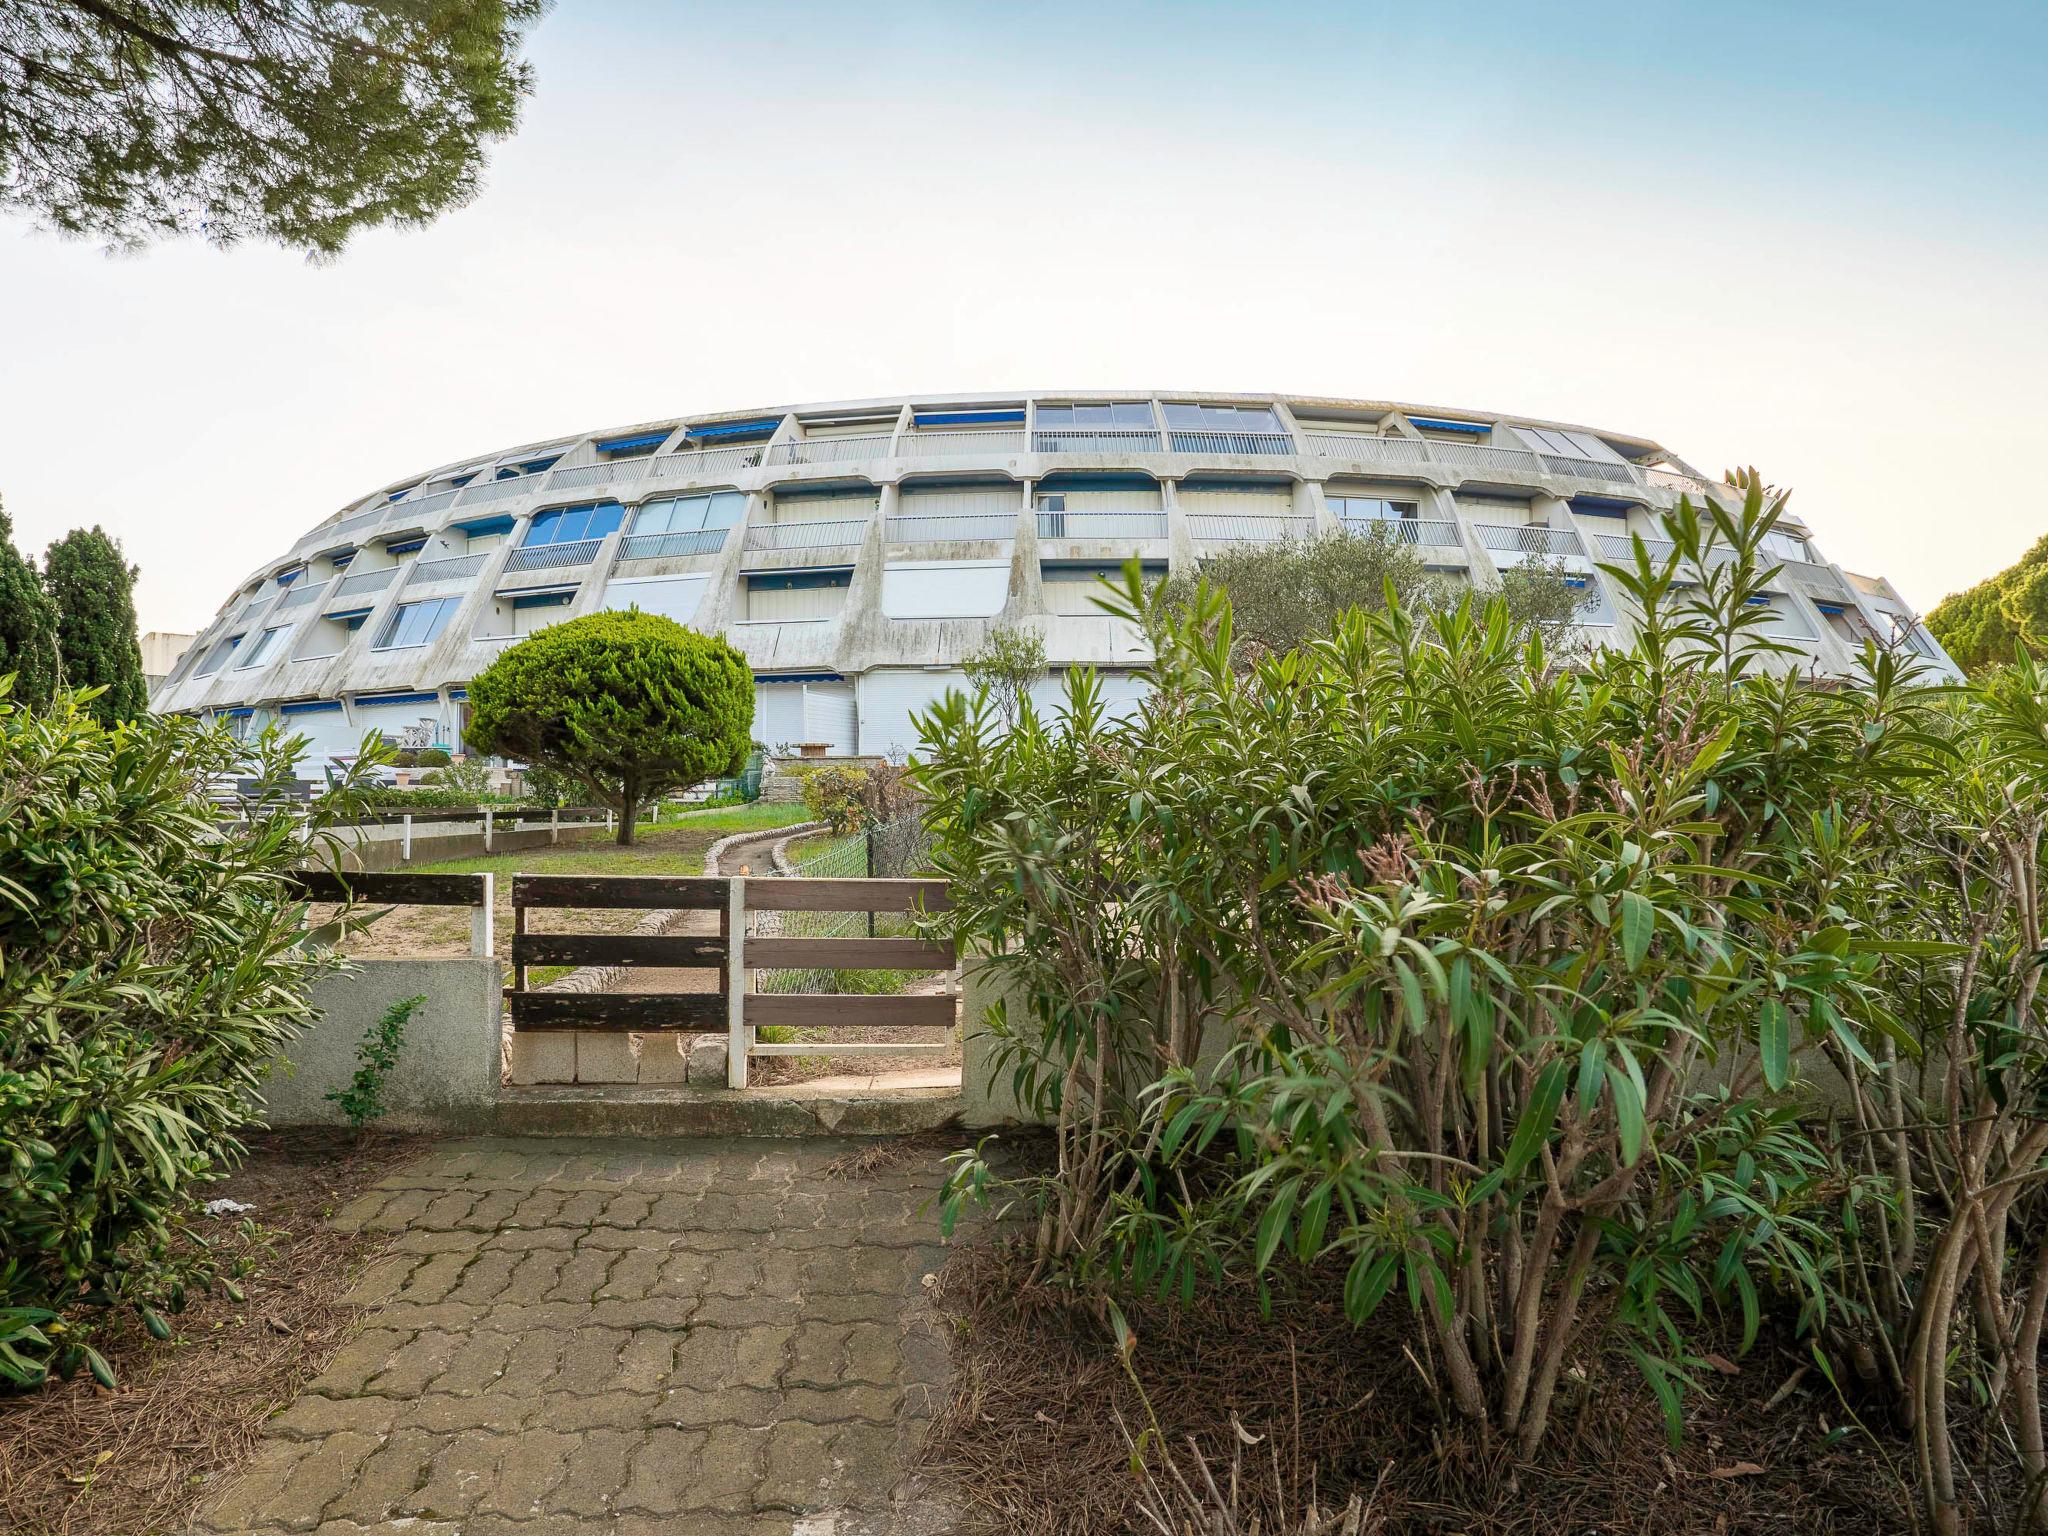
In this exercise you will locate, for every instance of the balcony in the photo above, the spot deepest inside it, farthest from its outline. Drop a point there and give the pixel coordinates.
(1249, 527)
(498, 490)
(934, 445)
(1096, 440)
(1530, 539)
(1484, 459)
(832, 450)
(1589, 469)
(366, 581)
(302, 593)
(823, 534)
(1433, 533)
(707, 461)
(1231, 442)
(605, 472)
(346, 528)
(1367, 450)
(426, 506)
(655, 546)
(553, 557)
(1620, 548)
(445, 570)
(1102, 525)
(946, 528)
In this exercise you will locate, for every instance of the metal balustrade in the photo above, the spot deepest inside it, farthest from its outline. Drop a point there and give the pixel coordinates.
(366, 581)
(1822, 581)
(604, 472)
(1102, 525)
(706, 461)
(1529, 539)
(1692, 485)
(1433, 532)
(695, 541)
(830, 450)
(347, 526)
(1483, 457)
(1619, 547)
(444, 570)
(939, 528)
(1249, 527)
(433, 501)
(553, 557)
(1368, 450)
(498, 490)
(925, 445)
(301, 594)
(1095, 440)
(1589, 469)
(821, 534)
(1230, 442)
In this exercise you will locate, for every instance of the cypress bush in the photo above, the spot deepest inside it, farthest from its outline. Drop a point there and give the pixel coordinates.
(151, 963)
(28, 625)
(629, 705)
(93, 589)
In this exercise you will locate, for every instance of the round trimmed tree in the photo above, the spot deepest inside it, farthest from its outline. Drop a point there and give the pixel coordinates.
(629, 705)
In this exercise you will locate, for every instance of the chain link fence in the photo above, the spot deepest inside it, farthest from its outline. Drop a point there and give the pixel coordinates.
(898, 849)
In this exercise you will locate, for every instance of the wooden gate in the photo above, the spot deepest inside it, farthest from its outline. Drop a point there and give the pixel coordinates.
(733, 1005)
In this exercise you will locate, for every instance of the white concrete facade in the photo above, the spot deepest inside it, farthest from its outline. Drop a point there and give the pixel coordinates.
(856, 553)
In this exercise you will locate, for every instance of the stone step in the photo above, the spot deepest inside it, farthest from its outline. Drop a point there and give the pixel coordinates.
(639, 1110)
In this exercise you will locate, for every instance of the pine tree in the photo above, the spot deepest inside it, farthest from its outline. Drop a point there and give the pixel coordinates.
(93, 589)
(28, 624)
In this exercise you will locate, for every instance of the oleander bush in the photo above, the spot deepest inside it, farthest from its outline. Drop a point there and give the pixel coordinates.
(1592, 1011)
(152, 960)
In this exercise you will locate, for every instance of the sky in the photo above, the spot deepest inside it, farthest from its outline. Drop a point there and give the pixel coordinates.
(1805, 237)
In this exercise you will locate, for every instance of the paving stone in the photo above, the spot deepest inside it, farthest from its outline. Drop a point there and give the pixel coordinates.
(596, 1473)
(459, 1476)
(387, 1478)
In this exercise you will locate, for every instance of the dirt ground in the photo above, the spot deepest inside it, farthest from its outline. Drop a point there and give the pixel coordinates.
(76, 1460)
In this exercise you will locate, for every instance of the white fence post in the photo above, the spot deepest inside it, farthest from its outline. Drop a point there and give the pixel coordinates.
(607, 818)
(488, 813)
(482, 919)
(555, 824)
(736, 982)
(405, 840)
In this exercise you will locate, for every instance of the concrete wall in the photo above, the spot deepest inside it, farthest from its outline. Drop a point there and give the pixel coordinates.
(448, 1073)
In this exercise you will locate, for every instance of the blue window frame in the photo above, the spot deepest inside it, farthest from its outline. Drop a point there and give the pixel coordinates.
(417, 623)
(571, 525)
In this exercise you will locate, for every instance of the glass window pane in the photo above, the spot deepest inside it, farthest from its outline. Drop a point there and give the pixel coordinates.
(1094, 416)
(1185, 417)
(1055, 415)
(654, 517)
(1133, 414)
(724, 509)
(603, 519)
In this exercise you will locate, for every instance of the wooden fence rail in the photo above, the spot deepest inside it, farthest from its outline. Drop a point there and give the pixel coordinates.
(477, 892)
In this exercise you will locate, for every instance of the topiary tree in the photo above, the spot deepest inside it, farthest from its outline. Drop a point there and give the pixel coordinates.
(28, 625)
(628, 704)
(93, 589)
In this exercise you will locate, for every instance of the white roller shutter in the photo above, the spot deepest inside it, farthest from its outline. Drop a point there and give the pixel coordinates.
(945, 589)
(329, 734)
(1072, 590)
(831, 716)
(1122, 693)
(673, 597)
(778, 714)
(793, 603)
(796, 507)
(1134, 498)
(889, 699)
(959, 501)
(1238, 501)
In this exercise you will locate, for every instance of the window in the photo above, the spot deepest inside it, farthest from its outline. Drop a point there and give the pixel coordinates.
(688, 514)
(265, 647)
(527, 467)
(796, 595)
(571, 525)
(537, 610)
(1372, 509)
(416, 623)
(1569, 445)
(217, 657)
(1786, 546)
(1126, 414)
(1222, 418)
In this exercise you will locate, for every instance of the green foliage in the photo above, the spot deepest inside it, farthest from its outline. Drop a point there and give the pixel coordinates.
(1008, 663)
(93, 588)
(28, 625)
(1999, 619)
(630, 705)
(153, 964)
(432, 757)
(363, 1099)
(545, 786)
(832, 794)
(298, 121)
(1285, 594)
(1473, 928)
(470, 778)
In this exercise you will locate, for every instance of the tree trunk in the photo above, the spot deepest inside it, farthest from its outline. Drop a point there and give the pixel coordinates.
(629, 816)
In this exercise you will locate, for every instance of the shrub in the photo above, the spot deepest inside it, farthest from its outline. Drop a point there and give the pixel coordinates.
(28, 624)
(1008, 664)
(470, 778)
(432, 757)
(363, 1099)
(630, 705)
(92, 587)
(154, 962)
(1469, 929)
(832, 794)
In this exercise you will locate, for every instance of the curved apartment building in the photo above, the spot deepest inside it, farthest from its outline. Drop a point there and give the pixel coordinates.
(855, 553)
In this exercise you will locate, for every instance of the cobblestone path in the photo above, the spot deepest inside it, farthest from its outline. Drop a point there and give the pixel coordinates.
(632, 1337)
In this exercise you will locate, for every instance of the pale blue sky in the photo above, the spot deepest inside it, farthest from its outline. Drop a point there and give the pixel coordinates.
(1809, 237)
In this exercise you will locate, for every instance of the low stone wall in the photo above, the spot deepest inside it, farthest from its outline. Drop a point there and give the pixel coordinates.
(446, 1079)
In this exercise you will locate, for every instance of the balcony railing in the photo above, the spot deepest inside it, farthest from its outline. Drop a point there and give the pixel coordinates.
(1481, 457)
(553, 557)
(707, 461)
(302, 593)
(433, 501)
(1619, 547)
(1249, 527)
(831, 450)
(346, 528)
(1231, 442)
(445, 570)
(1590, 469)
(1691, 485)
(1368, 450)
(1095, 440)
(1529, 539)
(365, 581)
(1433, 532)
(931, 445)
(944, 527)
(498, 490)
(1102, 525)
(604, 472)
(822, 534)
(694, 541)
